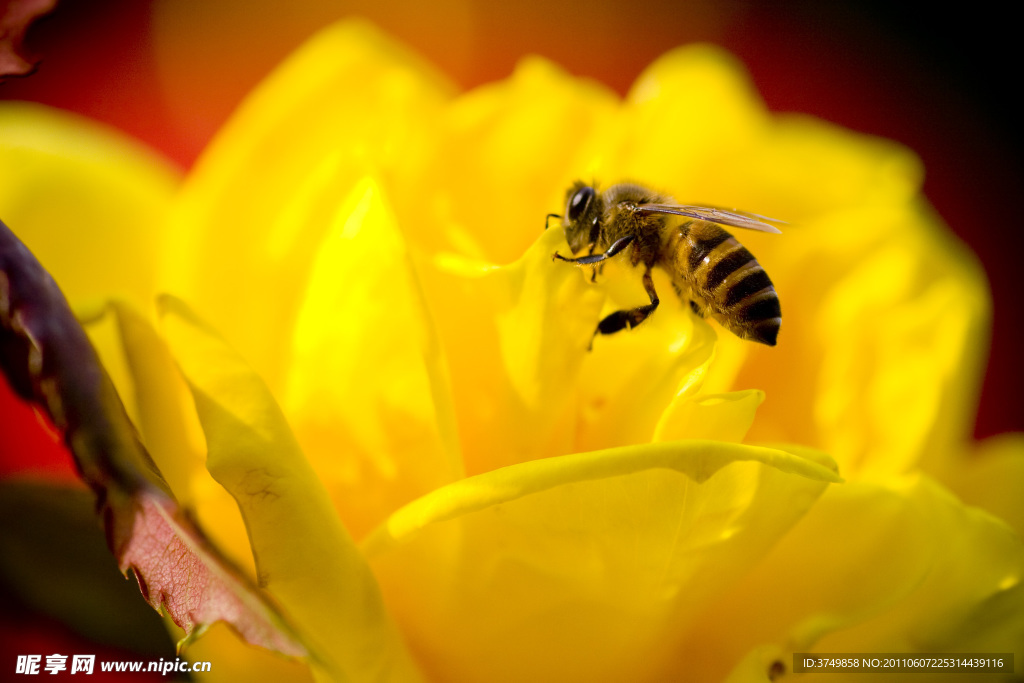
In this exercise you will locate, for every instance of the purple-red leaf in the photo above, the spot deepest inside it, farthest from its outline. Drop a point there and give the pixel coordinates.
(177, 569)
(15, 18)
(48, 359)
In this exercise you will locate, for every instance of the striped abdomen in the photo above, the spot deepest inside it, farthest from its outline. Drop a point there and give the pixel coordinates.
(724, 280)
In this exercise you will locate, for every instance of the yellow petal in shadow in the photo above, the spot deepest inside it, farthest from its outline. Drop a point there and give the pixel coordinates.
(59, 177)
(610, 551)
(761, 665)
(969, 593)
(368, 388)
(992, 478)
(898, 384)
(233, 660)
(304, 557)
(884, 328)
(157, 399)
(943, 577)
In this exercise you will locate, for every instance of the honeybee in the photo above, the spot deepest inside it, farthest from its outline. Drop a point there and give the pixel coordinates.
(708, 266)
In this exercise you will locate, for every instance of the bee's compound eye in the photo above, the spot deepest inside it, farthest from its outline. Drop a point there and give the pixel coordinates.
(579, 202)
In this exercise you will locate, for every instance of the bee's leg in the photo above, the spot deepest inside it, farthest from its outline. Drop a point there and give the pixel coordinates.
(617, 246)
(593, 273)
(630, 318)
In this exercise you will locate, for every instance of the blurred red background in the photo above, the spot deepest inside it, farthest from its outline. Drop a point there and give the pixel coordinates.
(169, 72)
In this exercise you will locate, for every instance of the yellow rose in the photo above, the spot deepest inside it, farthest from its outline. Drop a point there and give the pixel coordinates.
(360, 336)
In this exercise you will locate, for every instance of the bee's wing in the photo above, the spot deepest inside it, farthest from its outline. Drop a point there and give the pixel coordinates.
(735, 219)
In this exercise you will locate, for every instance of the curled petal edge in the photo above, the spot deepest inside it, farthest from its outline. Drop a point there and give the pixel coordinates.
(697, 459)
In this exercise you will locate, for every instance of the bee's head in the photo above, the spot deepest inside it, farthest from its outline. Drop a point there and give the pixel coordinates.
(583, 212)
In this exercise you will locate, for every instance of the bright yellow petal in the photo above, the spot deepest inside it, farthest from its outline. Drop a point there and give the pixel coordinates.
(685, 119)
(350, 102)
(368, 387)
(801, 168)
(89, 202)
(514, 337)
(633, 383)
(608, 552)
(304, 556)
(698, 459)
(524, 384)
(724, 417)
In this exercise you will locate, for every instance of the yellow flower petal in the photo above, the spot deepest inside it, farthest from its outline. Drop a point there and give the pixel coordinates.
(88, 202)
(304, 556)
(632, 385)
(897, 386)
(697, 459)
(513, 337)
(801, 168)
(58, 173)
(968, 594)
(609, 552)
(725, 417)
(160, 405)
(761, 665)
(232, 660)
(506, 154)
(884, 326)
(368, 385)
(686, 116)
(992, 478)
(351, 102)
(157, 398)
(870, 568)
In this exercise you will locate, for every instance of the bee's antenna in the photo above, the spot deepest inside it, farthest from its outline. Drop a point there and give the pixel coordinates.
(550, 216)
